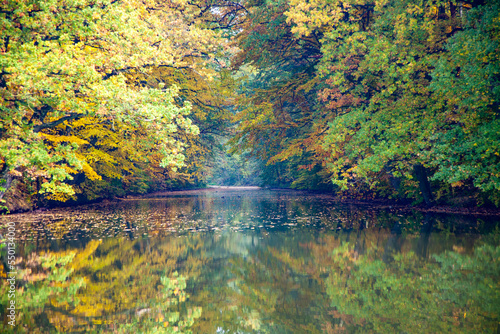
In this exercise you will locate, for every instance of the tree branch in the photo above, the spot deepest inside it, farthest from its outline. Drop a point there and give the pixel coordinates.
(72, 116)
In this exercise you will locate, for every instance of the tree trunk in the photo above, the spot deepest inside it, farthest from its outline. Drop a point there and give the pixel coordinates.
(5, 183)
(423, 182)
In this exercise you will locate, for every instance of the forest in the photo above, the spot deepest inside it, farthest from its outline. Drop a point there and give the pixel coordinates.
(366, 99)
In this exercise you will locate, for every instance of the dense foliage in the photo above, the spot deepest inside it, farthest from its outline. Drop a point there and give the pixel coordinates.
(95, 95)
(390, 98)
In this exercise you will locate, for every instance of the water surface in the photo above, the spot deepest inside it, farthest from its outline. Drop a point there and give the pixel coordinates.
(252, 261)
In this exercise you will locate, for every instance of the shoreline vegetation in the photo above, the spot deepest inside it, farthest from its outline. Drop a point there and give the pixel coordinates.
(394, 103)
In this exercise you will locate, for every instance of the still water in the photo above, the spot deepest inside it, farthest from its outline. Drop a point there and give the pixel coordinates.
(251, 261)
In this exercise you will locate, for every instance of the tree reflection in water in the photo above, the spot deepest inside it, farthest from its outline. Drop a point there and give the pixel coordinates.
(269, 265)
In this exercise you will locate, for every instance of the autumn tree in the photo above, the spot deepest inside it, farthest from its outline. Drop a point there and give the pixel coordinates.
(65, 62)
(395, 99)
(466, 82)
(399, 76)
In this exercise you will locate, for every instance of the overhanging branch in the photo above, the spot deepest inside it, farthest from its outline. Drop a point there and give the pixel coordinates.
(70, 117)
